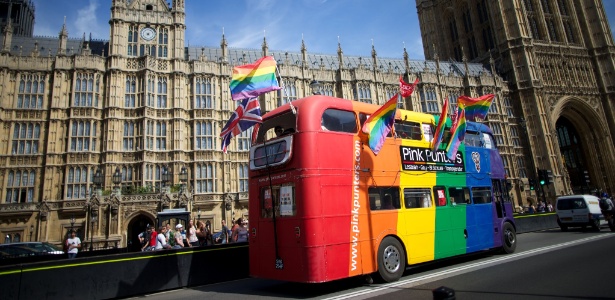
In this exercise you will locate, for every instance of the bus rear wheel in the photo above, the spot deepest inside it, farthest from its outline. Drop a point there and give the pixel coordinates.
(509, 238)
(391, 260)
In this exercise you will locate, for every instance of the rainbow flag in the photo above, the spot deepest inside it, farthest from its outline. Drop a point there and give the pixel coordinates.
(251, 80)
(437, 137)
(476, 107)
(380, 123)
(458, 133)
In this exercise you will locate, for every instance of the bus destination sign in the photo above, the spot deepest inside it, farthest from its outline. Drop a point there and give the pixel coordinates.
(424, 159)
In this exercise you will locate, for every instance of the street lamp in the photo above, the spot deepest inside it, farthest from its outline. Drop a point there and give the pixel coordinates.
(117, 178)
(97, 181)
(183, 177)
(315, 87)
(72, 222)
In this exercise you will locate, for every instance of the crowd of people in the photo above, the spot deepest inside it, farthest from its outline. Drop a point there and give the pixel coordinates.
(193, 235)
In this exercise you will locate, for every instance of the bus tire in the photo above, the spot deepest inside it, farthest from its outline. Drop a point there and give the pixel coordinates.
(509, 238)
(391, 260)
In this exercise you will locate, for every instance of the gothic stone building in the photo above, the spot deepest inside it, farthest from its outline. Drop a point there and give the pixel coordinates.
(141, 108)
(558, 57)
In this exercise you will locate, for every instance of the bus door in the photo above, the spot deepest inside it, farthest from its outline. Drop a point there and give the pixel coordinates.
(498, 195)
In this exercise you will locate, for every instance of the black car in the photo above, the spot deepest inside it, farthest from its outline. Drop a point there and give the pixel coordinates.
(26, 249)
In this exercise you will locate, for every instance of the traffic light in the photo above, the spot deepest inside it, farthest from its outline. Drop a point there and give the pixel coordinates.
(532, 184)
(541, 177)
(548, 177)
(586, 175)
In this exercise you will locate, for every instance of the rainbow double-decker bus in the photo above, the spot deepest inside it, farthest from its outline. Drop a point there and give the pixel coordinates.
(324, 207)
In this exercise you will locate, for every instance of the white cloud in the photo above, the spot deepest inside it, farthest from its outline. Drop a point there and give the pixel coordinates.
(87, 21)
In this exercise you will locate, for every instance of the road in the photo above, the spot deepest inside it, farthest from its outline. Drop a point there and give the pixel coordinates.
(547, 265)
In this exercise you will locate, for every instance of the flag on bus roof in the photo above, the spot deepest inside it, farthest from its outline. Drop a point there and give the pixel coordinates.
(245, 116)
(437, 137)
(252, 80)
(458, 133)
(380, 123)
(406, 89)
(476, 107)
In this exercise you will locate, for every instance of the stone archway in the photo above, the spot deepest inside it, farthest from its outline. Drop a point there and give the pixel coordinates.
(137, 224)
(579, 128)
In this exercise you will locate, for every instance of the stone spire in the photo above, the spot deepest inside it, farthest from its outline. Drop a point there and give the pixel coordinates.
(8, 36)
(264, 46)
(303, 52)
(340, 53)
(63, 39)
(374, 55)
(406, 58)
(224, 47)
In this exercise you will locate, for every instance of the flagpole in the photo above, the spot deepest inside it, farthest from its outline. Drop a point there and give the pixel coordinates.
(292, 107)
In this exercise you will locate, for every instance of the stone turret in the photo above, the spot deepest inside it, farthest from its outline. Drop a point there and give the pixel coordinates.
(8, 36)
(63, 39)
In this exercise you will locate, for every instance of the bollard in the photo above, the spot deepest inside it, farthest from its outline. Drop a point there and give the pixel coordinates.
(443, 293)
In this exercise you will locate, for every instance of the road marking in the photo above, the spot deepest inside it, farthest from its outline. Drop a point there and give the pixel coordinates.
(453, 271)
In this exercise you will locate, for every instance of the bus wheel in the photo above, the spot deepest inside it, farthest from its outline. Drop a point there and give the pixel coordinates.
(509, 236)
(391, 260)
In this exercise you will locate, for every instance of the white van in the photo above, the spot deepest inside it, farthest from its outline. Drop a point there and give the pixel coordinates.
(578, 211)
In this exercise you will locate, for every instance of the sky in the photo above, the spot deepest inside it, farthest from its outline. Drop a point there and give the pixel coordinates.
(388, 25)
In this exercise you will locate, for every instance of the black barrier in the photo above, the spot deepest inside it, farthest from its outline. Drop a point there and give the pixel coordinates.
(535, 222)
(124, 275)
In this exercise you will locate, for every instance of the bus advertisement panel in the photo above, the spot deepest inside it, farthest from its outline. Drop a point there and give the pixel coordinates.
(324, 207)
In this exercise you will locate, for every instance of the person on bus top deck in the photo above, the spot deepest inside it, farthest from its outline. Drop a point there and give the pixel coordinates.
(387, 202)
(278, 130)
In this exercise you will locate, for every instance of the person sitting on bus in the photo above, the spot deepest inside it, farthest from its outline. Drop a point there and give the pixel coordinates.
(289, 131)
(278, 130)
(387, 202)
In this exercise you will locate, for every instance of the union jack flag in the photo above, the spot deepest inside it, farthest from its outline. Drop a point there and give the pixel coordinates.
(245, 116)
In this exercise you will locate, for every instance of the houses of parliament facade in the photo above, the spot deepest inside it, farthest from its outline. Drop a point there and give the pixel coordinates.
(101, 136)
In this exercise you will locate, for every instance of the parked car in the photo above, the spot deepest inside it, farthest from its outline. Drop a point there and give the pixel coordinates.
(24, 249)
(578, 211)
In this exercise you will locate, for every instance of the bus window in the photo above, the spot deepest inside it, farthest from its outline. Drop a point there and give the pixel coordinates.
(487, 141)
(472, 139)
(459, 195)
(481, 195)
(440, 193)
(417, 198)
(383, 198)
(338, 120)
(408, 130)
(428, 131)
(282, 198)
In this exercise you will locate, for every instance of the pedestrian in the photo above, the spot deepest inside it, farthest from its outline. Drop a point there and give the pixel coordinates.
(240, 233)
(200, 233)
(224, 238)
(153, 235)
(179, 240)
(73, 244)
(549, 207)
(161, 239)
(144, 237)
(170, 235)
(193, 240)
(209, 239)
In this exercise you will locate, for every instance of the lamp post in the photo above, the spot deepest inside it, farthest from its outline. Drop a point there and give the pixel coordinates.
(98, 181)
(117, 178)
(315, 87)
(183, 178)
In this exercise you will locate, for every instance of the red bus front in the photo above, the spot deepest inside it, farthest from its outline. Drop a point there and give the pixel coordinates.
(292, 173)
